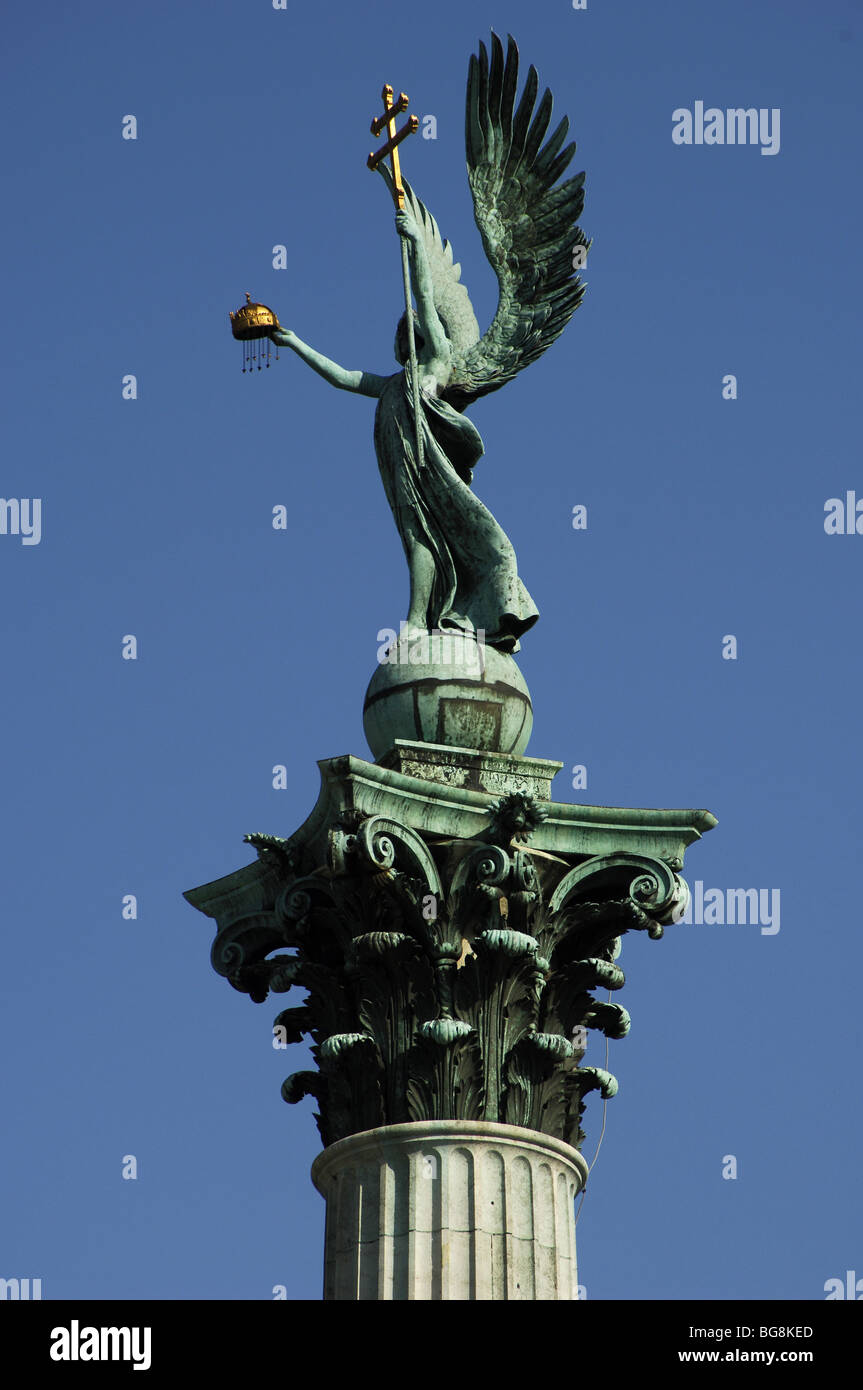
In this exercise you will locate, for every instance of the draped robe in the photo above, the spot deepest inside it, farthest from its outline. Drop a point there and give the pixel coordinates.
(476, 584)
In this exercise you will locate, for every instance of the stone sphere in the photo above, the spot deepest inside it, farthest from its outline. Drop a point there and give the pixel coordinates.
(445, 688)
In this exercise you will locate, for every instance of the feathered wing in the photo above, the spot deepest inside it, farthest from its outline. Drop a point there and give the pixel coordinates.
(528, 226)
(450, 296)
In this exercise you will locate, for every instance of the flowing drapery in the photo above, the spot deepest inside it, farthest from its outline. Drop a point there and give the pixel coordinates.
(476, 584)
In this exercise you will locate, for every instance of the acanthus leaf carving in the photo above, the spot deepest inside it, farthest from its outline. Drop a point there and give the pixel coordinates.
(441, 981)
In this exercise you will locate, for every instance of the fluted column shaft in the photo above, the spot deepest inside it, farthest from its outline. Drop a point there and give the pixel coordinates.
(449, 1209)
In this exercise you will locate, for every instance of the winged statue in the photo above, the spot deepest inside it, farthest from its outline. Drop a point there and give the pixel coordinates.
(463, 572)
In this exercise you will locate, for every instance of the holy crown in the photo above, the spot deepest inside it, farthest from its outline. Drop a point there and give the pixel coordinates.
(252, 321)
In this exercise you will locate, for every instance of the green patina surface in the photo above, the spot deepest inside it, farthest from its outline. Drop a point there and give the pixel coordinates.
(463, 572)
(449, 940)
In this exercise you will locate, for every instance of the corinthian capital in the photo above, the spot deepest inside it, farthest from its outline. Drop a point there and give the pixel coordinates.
(450, 944)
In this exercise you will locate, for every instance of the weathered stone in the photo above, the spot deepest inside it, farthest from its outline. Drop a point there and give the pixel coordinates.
(464, 767)
(449, 1210)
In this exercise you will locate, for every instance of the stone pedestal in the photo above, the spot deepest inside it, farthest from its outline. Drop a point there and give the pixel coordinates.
(454, 1209)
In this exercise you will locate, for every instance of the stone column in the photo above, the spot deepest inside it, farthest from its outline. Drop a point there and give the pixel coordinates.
(454, 930)
(453, 1209)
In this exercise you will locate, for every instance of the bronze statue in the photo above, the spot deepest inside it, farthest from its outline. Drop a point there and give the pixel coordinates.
(463, 573)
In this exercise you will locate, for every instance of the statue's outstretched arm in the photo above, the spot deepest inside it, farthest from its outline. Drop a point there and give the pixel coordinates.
(423, 286)
(366, 383)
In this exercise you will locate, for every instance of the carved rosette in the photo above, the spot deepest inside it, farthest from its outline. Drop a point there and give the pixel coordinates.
(445, 979)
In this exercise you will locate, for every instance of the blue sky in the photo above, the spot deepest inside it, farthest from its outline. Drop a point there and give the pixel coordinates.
(705, 519)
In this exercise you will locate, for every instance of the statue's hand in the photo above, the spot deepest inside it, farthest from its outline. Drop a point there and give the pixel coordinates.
(407, 225)
(282, 337)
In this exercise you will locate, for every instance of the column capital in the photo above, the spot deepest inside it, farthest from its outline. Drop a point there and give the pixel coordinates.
(450, 938)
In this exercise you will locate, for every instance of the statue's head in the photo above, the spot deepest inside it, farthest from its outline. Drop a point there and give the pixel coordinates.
(400, 347)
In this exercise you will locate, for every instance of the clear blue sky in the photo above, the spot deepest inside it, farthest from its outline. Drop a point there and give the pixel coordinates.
(705, 519)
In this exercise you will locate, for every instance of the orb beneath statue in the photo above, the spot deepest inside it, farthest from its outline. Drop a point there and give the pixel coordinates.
(448, 689)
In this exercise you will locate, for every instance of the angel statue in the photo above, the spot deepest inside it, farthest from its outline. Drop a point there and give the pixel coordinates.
(463, 574)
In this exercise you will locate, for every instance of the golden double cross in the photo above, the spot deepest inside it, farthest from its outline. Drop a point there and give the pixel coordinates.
(391, 148)
(388, 120)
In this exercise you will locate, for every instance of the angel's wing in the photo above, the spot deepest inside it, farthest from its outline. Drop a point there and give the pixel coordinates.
(450, 296)
(528, 226)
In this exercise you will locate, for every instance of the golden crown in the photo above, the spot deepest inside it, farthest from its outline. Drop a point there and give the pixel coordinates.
(253, 321)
